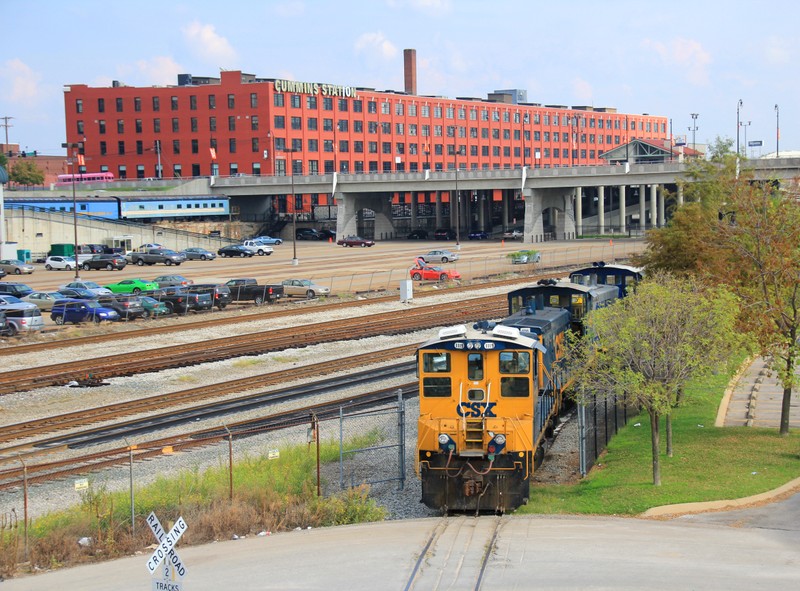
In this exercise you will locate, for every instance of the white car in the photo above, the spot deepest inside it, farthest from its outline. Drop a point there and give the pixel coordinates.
(59, 262)
(439, 256)
(257, 247)
(90, 285)
(515, 234)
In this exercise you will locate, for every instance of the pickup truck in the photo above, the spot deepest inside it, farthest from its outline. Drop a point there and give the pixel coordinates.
(248, 289)
(151, 256)
(181, 301)
(257, 247)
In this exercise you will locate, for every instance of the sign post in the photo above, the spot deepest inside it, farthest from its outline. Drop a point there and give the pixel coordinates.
(165, 552)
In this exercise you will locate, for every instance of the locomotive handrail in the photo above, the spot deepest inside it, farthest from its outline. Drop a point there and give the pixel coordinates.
(460, 400)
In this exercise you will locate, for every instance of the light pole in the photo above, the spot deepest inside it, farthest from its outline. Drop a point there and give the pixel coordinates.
(777, 132)
(738, 124)
(295, 260)
(694, 128)
(745, 125)
(74, 147)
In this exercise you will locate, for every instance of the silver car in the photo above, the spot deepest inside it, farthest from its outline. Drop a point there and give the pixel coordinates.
(439, 256)
(16, 266)
(59, 263)
(195, 253)
(23, 318)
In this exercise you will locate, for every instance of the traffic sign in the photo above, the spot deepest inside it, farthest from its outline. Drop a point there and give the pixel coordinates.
(166, 542)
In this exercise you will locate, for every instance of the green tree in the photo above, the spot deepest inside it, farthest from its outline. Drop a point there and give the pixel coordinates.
(648, 346)
(25, 172)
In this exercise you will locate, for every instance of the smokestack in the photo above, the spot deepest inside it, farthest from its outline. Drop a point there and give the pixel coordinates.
(410, 70)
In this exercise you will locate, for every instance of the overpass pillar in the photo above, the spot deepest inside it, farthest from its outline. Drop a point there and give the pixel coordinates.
(601, 208)
(622, 209)
(662, 219)
(578, 211)
(438, 209)
(680, 195)
(414, 202)
(642, 209)
(654, 205)
(506, 198)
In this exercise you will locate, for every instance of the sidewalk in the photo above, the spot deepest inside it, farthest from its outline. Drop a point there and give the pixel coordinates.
(755, 400)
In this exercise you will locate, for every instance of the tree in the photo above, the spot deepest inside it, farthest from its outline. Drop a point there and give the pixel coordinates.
(647, 347)
(25, 172)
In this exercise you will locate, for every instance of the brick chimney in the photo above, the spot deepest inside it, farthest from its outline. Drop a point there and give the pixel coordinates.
(410, 70)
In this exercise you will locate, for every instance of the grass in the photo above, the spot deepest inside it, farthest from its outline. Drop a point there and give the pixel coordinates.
(709, 463)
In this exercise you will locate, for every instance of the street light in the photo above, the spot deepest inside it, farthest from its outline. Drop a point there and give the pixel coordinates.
(694, 128)
(75, 147)
(777, 132)
(745, 125)
(738, 106)
(295, 260)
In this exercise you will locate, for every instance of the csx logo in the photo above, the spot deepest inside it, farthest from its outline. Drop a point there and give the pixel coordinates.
(475, 409)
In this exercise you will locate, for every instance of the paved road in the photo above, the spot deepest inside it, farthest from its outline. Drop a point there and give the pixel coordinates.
(744, 549)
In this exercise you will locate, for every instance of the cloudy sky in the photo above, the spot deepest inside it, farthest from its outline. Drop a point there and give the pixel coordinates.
(668, 58)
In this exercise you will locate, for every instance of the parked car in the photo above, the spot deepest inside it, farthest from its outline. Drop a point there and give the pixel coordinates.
(267, 240)
(77, 311)
(90, 285)
(9, 299)
(153, 308)
(16, 266)
(429, 273)
(3, 273)
(220, 294)
(195, 253)
(257, 247)
(439, 256)
(153, 256)
(133, 286)
(109, 262)
(44, 300)
(418, 235)
(304, 288)
(171, 280)
(355, 241)
(5, 328)
(129, 307)
(181, 301)
(16, 289)
(22, 318)
(58, 263)
(77, 293)
(444, 234)
(307, 234)
(513, 234)
(235, 250)
(478, 235)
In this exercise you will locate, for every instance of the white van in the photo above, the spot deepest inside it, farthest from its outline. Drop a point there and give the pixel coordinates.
(23, 318)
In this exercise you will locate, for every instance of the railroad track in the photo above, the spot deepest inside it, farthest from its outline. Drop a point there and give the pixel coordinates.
(399, 322)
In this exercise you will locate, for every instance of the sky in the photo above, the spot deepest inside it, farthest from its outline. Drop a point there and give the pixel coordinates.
(662, 58)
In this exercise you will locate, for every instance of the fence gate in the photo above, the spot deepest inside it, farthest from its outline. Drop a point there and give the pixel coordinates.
(372, 445)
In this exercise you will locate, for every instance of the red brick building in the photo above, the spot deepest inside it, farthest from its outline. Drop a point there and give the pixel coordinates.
(240, 124)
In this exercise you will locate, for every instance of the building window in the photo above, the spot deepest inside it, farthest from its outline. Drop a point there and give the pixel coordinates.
(175, 125)
(101, 126)
(139, 147)
(297, 123)
(327, 103)
(412, 110)
(101, 105)
(232, 123)
(138, 125)
(122, 171)
(103, 149)
(120, 126)
(212, 101)
(344, 146)
(399, 128)
(193, 124)
(327, 145)
(137, 104)
(195, 147)
(313, 145)
(295, 101)
(256, 168)
(343, 106)
(358, 126)
(140, 171)
(156, 103)
(176, 170)
(176, 146)
(80, 127)
(231, 101)
(358, 106)
(79, 105)
(437, 112)
(232, 145)
(193, 102)
(280, 122)
(327, 125)
(386, 108)
(277, 99)
(311, 122)
(372, 107)
(253, 100)
(253, 122)
(254, 144)
(121, 148)
(212, 124)
(156, 125)
(358, 147)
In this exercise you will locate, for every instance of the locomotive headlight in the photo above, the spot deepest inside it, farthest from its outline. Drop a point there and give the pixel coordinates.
(446, 443)
(500, 439)
(496, 445)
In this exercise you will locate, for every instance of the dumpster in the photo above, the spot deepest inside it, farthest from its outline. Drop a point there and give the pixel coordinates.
(24, 255)
(62, 250)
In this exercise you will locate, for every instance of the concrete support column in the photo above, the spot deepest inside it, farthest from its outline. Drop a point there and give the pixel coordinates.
(642, 209)
(654, 205)
(414, 203)
(622, 209)
(438, 209)
(507, 196)
(680, 195)
(662, 218)
(533, 225)
(482, 211)
(578, 211)
(601, 208)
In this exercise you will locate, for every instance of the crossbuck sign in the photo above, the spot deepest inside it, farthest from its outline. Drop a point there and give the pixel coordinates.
(166, 546)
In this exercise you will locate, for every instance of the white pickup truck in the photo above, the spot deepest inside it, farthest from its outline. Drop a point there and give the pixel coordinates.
(257, 247)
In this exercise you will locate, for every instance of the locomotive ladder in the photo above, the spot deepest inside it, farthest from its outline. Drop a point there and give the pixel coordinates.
(473, 437)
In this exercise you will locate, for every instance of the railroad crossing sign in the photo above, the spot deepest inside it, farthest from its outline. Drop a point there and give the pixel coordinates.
(166, 547)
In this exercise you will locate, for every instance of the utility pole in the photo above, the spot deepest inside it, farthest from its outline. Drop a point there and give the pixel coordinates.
(6, 124)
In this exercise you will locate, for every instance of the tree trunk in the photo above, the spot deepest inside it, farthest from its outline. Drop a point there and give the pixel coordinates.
(668, 426)
(787, 397)
(654, 438)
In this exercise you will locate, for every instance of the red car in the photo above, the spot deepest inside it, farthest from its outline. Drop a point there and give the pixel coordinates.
(429, 273)
(355, 241)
